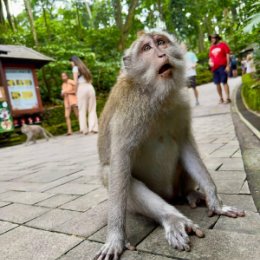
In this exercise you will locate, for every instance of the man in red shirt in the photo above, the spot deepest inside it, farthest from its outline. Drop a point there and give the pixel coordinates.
(219, 62)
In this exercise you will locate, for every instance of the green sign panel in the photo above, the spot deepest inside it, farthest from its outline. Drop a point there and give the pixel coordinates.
(6, 120)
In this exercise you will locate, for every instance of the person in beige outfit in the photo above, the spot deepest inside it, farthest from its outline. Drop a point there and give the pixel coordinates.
(68, 91)
(86, 96)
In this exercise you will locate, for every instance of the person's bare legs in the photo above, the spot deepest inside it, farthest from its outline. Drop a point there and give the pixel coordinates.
(219, 90)
(196, 94)
(226, 89)
(76, 111)
(68, 122)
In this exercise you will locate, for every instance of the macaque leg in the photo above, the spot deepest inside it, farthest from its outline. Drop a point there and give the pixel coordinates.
(194, 166)
(143, 201)
(29, 138)
(45, 135)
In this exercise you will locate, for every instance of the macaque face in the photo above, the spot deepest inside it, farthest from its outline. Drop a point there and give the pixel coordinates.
(153, 50)
(154, 58)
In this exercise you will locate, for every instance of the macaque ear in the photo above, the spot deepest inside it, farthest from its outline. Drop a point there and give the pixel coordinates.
(126, 61)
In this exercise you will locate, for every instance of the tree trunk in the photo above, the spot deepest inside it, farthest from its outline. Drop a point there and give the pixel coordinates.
(2, 19)
(31, 21)
(46, 23)
(124, 27)
(9, 17)
(77, 14)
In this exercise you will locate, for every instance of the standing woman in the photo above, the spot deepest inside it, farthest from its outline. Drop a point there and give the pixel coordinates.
(86, 96)
(70, 100)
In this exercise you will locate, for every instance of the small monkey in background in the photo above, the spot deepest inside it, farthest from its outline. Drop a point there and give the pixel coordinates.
(33, 132)
(146, 147)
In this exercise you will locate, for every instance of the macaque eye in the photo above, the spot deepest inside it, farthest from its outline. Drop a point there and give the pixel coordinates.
(146, 47)
(160, 42)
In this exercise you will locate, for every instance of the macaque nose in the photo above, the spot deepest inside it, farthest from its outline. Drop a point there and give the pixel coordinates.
(160, 54)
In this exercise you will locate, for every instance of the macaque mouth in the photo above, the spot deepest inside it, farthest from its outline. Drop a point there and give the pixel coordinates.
(164, 68)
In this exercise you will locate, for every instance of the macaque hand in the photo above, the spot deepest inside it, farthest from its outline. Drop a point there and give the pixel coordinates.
(226, 211)
(113, 249)
(177, 230)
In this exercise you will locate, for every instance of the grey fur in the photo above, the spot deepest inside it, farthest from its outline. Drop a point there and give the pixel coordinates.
(145, 133)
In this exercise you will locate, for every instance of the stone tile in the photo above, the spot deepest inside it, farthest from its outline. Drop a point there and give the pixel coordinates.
(73, 188)
(47, 186)
(137, 228)
(57, 200)
(3, 204)
(229, 186)
(88, 179)
(207, 149)
(224, 152)
(52, 219)
(86, 223)
(6, 226)
(84, 251)
(25, 243)
(245, 189)
(19, 213)
(49, 174)
(25, 197)
(232, 164)
(240, 201)
(249, 224)
(87, 250)
(228, 175)
(237, 154)
(21, 186)
(15, 174)
(217, 245)
(135, 255)
(213, 163)
(86, 202)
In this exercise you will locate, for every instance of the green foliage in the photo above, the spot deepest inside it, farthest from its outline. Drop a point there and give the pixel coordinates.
(204, 75)
(66, 28)
(54, 120)
(251, 91)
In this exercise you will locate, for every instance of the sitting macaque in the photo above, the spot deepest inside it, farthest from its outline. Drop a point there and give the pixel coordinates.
(146, 147)
(33, 132)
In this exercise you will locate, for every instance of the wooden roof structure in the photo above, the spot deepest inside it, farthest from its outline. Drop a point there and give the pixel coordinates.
(22, 54)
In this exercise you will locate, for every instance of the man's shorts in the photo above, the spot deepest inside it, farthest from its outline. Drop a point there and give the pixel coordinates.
(220, 75)
(191, 82)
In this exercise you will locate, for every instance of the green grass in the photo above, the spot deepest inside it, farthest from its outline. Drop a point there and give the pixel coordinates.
(251, 92)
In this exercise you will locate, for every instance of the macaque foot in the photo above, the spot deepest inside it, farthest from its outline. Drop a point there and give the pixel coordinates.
(194, 198)
(112, 250)
(177, 230)
(226, 211)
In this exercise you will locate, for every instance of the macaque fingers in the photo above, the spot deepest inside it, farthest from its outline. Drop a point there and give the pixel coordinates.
(228, 211)
(109, 251)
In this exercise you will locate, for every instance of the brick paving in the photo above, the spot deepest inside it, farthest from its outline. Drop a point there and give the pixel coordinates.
(53, 206)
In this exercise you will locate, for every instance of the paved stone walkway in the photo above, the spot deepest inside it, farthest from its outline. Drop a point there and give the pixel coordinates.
(52, 205)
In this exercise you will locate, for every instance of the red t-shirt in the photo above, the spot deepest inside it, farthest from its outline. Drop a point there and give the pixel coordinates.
(218, 55)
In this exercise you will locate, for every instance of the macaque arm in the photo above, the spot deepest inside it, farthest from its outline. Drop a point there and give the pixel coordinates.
(195, 167)
(144, 201)
(119, 175)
